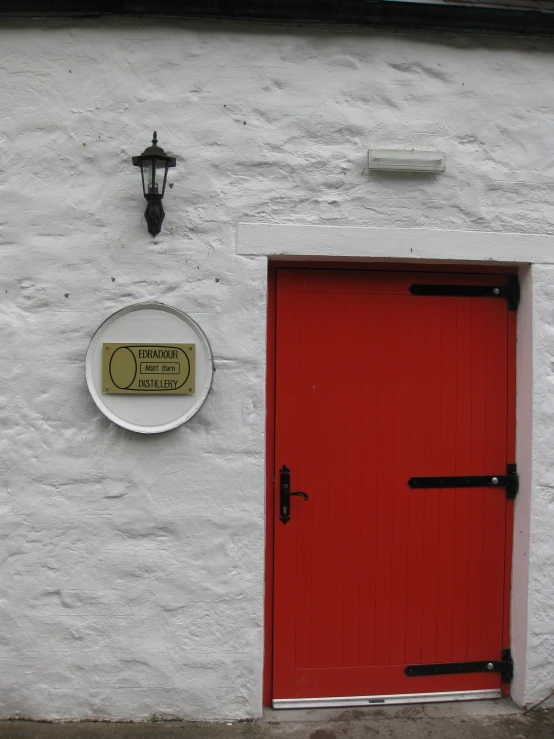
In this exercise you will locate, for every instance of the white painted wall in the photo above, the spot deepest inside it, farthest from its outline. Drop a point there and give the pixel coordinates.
(131, 568)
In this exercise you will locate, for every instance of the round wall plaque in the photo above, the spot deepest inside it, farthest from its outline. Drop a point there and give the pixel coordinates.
(149, 368)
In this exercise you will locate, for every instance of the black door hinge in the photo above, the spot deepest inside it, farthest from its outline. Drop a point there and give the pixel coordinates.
(509, 481)
(509, 292)
(505, 667)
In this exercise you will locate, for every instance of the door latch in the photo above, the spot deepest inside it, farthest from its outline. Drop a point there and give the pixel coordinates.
(285, 493)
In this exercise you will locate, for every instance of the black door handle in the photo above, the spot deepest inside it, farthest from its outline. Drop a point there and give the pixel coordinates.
(285, 493)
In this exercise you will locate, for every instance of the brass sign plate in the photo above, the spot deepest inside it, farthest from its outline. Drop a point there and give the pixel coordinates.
(148, 369)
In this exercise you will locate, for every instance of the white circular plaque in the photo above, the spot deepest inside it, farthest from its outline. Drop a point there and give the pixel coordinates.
(150, 412)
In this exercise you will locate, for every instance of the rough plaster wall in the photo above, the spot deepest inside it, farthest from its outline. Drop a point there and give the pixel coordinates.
(131, 577)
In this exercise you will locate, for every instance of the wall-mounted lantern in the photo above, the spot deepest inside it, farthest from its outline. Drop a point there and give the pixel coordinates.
(154, 163)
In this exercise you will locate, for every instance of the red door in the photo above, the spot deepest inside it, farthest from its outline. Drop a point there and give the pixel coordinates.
(375, 385)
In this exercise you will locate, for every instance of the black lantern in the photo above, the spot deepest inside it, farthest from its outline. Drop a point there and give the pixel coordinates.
(154, 163)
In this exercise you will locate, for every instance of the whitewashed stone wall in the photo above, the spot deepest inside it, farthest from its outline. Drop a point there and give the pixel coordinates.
(131, 567)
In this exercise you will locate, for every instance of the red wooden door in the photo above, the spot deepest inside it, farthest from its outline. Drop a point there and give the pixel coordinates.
(373, 386)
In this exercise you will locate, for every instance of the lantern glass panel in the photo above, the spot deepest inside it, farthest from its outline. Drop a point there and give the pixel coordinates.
(154, 170)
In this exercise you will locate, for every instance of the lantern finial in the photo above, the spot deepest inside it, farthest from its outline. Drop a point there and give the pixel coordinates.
(155, 138)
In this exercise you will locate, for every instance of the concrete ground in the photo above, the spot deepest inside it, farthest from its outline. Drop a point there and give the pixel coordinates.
(477, 720)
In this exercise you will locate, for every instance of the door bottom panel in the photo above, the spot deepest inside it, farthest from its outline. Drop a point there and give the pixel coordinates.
(387, 700)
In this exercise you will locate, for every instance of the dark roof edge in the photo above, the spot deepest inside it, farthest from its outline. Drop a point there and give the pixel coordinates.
(527, 17)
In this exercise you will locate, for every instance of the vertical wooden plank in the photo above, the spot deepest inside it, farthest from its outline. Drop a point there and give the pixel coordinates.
(511, 457)
(286, 397)
(494, 509)
(479, 433)
(417, 426)
(385, 478)
(447, 503)
(401, 474)
(320, 492)
(338, 501)
(496, 382)
(301, 512)
(511, 343)
(432, 349)
(507, 580)
(352, 491)
(368, 525)
(462, 497)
